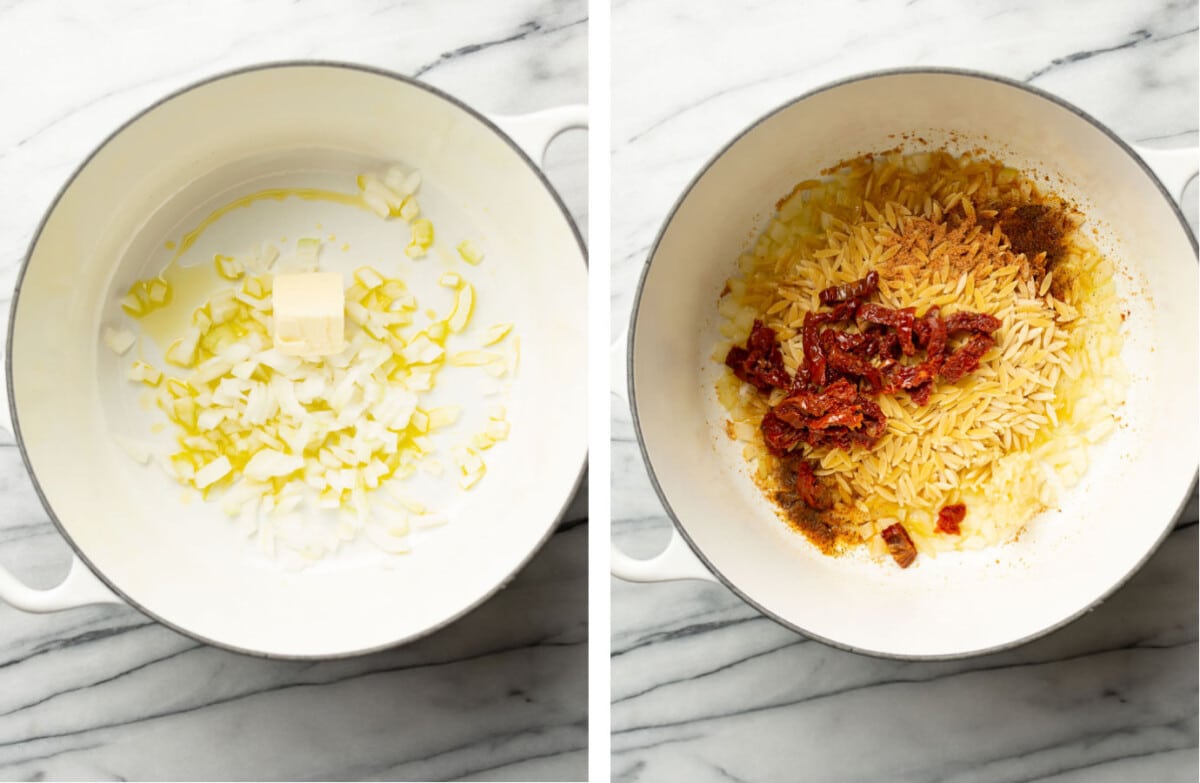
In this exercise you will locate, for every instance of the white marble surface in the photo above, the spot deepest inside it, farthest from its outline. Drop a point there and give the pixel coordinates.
(704, 688)
(104, 693)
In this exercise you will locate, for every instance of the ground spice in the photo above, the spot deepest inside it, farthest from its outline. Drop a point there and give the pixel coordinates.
(982, 241)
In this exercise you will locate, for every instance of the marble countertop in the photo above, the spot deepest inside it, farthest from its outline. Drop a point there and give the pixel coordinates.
(104, 693)
(706, 689)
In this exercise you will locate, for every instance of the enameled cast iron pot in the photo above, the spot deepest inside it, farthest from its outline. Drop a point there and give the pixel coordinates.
(959, 604)
(284, 124)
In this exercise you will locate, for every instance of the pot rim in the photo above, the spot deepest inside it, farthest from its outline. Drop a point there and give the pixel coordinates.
(8, 349)
(636, 309)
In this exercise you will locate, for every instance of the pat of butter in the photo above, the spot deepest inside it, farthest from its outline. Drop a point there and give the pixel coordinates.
(309, 313)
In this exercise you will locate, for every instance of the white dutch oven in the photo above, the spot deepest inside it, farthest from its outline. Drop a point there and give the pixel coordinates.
(952, 605)
(283, 125)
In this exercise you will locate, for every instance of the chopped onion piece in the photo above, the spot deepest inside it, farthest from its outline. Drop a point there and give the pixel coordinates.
(422, 350)
(377, 205)
(496, 333)
(474, 358)
(443, 417)
(158, 292)
(182, 352)
(229, 268)
(369, 278)
(212, 472)
(141, 372)
(119, 341)
(404, 184)
(497, 430)
(270, 463)
(464, 305)
(222, 306)
(422, 238)
(132, 305)
(469, 252)
(410, 209)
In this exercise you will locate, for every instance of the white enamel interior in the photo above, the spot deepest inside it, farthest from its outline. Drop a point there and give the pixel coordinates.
(954, 604)
(299, 125)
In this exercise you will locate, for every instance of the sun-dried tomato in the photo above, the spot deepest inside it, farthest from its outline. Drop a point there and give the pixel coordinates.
(798, 406)
(899, 544)
(930, 331)
(921, 394)
(859, 289)
(760, 363)
(950, 519)
(938, 332)
(849, 364)
(888, 344)
(851, 342)
(778, 435)
(810, 488)
(972, 322)
(814, 355)
(828, 402)
(901, 320)
(966, 359)
(837, 416)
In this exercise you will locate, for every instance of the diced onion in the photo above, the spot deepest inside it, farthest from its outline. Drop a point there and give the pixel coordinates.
(496, 333)
(119, 341)
(271, 432)
(212, 472)
(469, 252)
(229, 268)
(270, 463)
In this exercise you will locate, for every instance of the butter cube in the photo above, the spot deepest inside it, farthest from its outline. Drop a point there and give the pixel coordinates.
(309, 313)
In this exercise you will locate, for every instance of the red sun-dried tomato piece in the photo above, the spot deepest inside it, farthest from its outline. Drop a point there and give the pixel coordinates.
(921, 394)
(910, 376)
(966, 359)
(836, 416)
(859, 289)
(899, 544)
(901, 320)
(779, 436)
(856, 343)
(760, 363)
(814, 354)
(849, 364)
(950, 519)
(972, 322)
(937, 334)
(797, 408)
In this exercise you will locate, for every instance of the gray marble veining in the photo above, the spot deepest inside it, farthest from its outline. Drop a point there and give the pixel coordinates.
(104, 693)
(706, 689)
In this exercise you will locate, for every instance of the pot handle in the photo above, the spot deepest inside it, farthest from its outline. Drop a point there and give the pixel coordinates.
(5, 415)
(533, 132)
(80, 588)
(1174, 167)
(677, 560)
